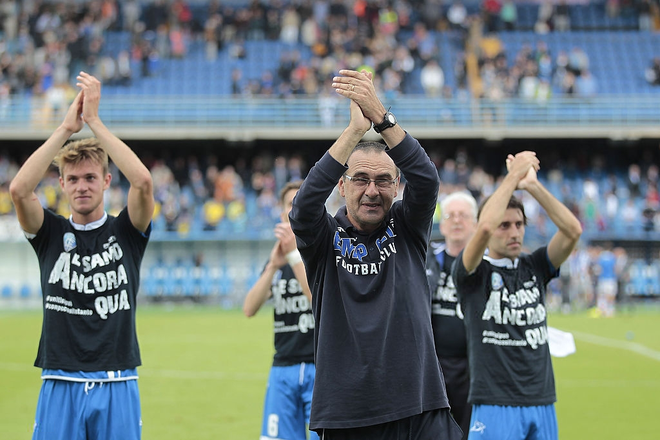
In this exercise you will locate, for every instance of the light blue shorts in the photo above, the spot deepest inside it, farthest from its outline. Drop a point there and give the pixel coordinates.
(494, 422)
(69, 410)
(288, 403)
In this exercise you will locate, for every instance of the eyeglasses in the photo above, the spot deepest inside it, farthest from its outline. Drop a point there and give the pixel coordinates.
(456, 215)
(363, 182)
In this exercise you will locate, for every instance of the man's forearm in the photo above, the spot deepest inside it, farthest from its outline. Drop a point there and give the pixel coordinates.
(32, 171)
(345, 143)
(121, 154)
(495, 208)
(560, 215)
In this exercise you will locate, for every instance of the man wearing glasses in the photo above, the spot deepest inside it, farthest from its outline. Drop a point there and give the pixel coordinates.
(459, 221)
(377, 373)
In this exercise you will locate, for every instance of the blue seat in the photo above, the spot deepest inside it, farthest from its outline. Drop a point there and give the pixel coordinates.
(25, 291)
(7, 291)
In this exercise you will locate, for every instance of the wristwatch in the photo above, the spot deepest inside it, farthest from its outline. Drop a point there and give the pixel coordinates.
(388, 121)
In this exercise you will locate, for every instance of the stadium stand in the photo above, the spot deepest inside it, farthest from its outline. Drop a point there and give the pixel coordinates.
(168, 54)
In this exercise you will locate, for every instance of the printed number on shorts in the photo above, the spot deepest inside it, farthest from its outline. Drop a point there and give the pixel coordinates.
(273, 425)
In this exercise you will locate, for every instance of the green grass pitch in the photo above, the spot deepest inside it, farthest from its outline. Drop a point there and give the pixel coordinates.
(205, 369)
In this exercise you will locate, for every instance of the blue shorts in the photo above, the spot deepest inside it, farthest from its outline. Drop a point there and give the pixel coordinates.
(288, 403)
(493, 422)
(69, 410)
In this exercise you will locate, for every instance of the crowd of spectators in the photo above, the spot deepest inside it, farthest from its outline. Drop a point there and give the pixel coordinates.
(231, 198)
(44, 44)
(536, 73)
(196, 193)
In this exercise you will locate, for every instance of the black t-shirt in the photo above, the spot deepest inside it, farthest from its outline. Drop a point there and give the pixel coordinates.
(446, 314)
(90, 281)
(504, 306)
(293, 322)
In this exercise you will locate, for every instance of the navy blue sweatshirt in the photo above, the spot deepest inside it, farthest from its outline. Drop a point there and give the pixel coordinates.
(373, 340)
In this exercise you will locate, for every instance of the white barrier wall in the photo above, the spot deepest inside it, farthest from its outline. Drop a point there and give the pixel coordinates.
(240, 260)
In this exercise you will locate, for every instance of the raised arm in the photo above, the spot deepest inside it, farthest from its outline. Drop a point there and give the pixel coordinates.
(494, 209)
(351, 136)
(140, 194)
(359, 87)
(287, 242)
(28, 207)
(563, 242)
(260, 291)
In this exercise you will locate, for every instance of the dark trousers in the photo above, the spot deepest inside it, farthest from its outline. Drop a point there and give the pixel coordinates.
(430, 425)
(457, 381)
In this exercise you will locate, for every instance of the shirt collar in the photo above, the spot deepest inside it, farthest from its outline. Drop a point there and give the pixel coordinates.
(89, 226)
(505, 263)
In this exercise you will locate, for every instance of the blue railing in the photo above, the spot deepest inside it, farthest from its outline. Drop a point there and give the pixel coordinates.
(172, 117)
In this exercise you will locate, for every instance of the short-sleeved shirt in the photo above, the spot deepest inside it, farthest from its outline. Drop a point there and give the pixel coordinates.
(90, 280)
(503, 302)
(293, 322)
(446, 313)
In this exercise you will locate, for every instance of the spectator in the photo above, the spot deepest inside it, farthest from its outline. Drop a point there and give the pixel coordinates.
(613, 8)
(652, 74)
(124, 73)
(645, 20)
(491, 10)
(213, 36)
(131, 10)
(578, 61)
(630, 215)
(544, 18)
(424, 41)
(290, 25)
(431, 12)
(509, 15)
(457, 15)
(586, 85)
(432, 78)
(562, 17)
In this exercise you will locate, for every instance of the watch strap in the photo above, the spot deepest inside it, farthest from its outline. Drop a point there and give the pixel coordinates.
(385, 124)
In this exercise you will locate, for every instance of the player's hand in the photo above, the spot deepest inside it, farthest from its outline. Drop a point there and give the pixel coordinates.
(285, 236)
(529, 179)
(91, 88)
(73, 120)
(277, 256)
(359, 87)
(359, 122)
(523, 166)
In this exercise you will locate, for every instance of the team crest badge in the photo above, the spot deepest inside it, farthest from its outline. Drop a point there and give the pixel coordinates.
(496, 281)
(69, 242)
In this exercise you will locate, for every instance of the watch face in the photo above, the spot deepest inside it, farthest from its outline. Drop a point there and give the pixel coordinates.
(388, 121)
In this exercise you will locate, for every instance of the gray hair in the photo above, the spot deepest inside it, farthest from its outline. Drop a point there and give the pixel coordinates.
(460, 195)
